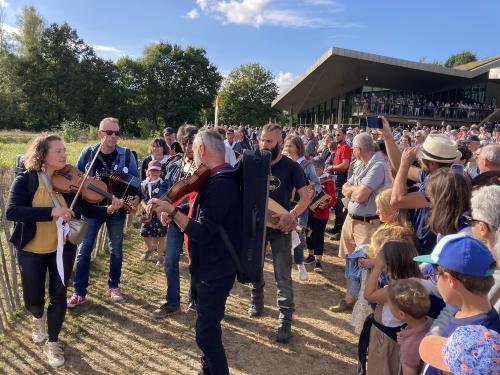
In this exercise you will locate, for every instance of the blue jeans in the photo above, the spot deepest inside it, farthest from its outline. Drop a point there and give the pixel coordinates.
(298, 252)
(282, 263)
(114, 224)
(173, 247)
(353, 272)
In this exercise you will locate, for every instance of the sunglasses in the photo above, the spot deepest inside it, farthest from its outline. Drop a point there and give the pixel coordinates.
(468, 220)
(111, 132)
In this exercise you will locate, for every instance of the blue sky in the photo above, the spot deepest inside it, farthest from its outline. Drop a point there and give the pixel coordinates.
(284, 36)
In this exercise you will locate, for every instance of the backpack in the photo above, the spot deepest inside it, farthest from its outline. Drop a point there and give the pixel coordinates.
(19, 167)
(252, 174)
(128, 151)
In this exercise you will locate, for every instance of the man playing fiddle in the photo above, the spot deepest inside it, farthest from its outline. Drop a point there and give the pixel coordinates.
(286, 175)
(212, 269)
(176, 171)
(111, 158)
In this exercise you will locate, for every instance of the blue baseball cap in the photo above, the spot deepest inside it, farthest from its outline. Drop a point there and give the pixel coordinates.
(470, 349)
(460, 253)
(472, 138)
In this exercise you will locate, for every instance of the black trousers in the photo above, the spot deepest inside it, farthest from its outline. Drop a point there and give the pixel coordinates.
(316, 241)
(211, 299)
(33, 269)
(339, 206)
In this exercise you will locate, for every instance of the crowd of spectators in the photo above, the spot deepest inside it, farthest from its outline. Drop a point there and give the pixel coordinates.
(419, 106)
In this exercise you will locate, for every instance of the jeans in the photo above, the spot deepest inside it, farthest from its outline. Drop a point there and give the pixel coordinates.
(282, 263)
(114, 224)
(298, 252)
(211, 296)
(173, 247)
(353, 272)
(33, 268)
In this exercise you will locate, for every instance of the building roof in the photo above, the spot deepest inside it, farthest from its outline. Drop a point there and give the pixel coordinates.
(476, 64)
(341, 70)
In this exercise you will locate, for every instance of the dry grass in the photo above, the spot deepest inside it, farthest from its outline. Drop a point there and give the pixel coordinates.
(121, 338)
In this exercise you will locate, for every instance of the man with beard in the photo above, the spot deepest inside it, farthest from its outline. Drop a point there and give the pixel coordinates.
(173, 245)
(437, 151)
(212, 269)
(286, 175)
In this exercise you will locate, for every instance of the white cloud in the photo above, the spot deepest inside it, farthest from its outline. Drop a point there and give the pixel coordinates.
(10, 29)
(285, 13)
(106, 49)
(284, 80)
(193, 14)
(4, 4)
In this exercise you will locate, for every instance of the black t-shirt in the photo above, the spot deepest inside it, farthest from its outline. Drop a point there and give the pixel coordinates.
(105, 165)
(285, 175)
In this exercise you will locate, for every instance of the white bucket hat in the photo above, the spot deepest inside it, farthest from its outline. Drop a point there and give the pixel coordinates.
(439, 148)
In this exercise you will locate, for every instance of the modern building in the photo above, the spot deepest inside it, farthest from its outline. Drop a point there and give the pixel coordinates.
(344, 86)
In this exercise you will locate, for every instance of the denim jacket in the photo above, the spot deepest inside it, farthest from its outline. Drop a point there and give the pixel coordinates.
(82, 164)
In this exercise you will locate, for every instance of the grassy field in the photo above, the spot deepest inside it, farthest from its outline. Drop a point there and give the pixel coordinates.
(102, 337)
(13, 143)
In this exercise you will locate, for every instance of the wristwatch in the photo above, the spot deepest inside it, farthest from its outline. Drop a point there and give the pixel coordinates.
(173, 213)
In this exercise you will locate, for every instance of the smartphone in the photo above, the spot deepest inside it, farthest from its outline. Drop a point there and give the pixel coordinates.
(374, 122)
(458, 168)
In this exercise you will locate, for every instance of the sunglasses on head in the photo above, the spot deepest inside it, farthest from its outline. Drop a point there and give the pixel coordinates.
(111, 132)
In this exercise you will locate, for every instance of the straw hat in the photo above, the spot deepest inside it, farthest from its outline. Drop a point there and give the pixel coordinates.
(439, 148)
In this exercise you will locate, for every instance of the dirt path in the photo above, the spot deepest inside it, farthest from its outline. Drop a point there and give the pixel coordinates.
(121, 338)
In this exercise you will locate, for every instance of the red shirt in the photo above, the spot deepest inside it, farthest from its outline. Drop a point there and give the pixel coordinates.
(343, 152)
(329, 186)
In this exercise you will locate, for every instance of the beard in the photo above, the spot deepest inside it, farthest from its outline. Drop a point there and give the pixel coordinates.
(275, 151)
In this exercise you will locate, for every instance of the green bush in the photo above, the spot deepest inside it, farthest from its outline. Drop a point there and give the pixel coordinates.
(92, 133)
(146, 128)
(72, 131)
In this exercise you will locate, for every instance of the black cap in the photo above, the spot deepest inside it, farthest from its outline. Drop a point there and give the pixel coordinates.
(168, 131)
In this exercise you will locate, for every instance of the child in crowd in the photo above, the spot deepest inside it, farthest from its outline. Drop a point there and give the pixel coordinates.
(362, 308)
(409, 302)
(469, 350)
(464, 269)
(317, 220)
(379, 335)
(154, 232)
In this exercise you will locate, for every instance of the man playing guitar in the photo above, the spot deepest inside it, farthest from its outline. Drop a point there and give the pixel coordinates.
(286, 175)
(111, 158)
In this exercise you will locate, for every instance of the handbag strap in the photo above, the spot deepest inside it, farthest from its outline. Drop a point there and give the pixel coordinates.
(45, 180)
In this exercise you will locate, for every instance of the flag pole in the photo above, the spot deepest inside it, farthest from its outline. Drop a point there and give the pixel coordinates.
(216, 120)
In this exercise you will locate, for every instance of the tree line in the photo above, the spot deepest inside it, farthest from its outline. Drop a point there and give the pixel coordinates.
(49, 75)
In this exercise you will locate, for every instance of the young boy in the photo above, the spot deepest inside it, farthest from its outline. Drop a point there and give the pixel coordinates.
(409, 302)
(319, 218)
(464, 269)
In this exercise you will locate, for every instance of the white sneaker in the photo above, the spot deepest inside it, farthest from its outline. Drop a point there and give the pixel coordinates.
(39, 333)
(54, 354)
(303, 275)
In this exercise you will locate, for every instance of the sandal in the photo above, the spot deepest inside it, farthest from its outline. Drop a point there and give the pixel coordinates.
(145, 256)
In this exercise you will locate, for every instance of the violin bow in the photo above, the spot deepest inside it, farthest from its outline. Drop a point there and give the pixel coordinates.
(87, 174)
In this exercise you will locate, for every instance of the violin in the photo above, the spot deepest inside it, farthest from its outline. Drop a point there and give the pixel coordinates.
(181, 188)
(70, 178)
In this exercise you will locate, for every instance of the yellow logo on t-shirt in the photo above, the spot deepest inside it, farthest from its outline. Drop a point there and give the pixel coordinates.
(274, 183)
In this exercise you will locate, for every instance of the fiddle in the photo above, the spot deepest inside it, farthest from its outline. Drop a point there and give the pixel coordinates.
(181, 188)
(70, 178)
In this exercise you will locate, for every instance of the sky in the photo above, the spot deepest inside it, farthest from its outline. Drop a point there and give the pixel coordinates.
(284, 36)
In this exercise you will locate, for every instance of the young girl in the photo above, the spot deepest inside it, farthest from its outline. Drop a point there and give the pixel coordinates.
(318, 219)
(379, 333)
(154, 232)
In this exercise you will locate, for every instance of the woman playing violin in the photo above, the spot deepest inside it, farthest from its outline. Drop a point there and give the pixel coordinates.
(31, 206)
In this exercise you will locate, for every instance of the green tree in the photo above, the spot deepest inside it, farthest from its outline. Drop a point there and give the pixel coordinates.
(247, 94)
(177, 83)
(31, 26)
(461, 58)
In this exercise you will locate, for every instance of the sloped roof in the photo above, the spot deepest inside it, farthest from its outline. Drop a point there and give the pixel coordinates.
(476, 64)
(341, 70)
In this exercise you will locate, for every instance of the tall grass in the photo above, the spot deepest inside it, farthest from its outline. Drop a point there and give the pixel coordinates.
(13, 143)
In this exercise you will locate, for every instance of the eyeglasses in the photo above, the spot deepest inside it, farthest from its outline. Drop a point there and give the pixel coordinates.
(338, 135)
(468, 220)
(111, 132)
